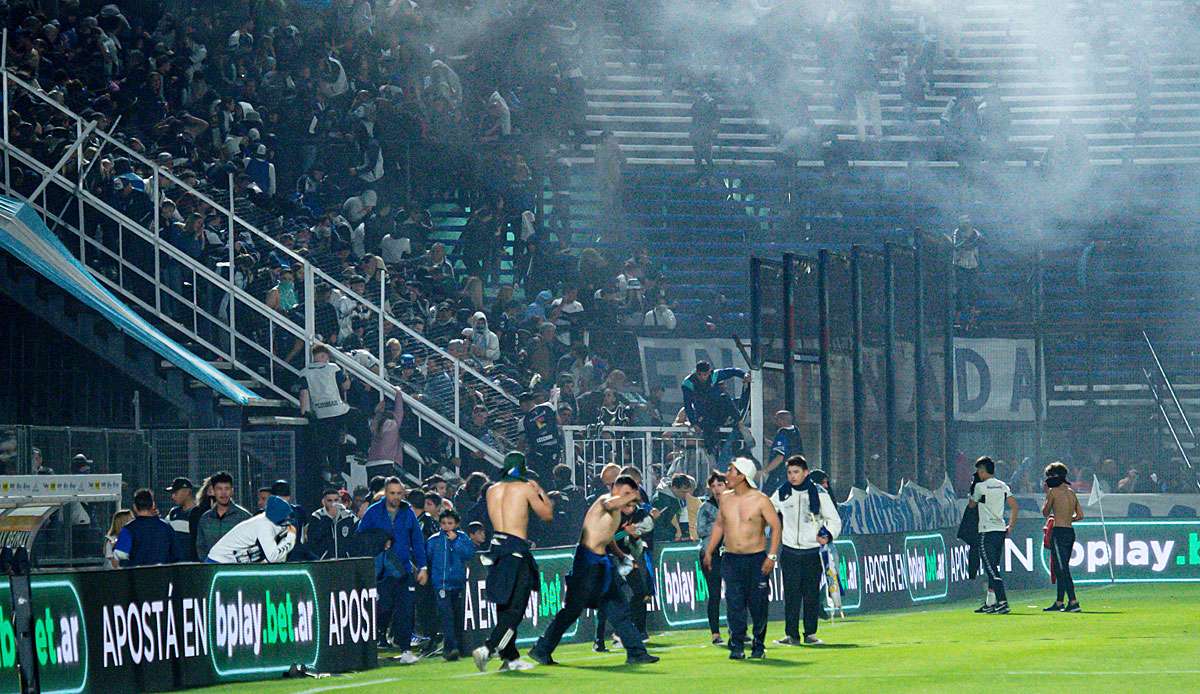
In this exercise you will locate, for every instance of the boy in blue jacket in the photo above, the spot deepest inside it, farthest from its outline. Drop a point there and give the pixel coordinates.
(449, 551)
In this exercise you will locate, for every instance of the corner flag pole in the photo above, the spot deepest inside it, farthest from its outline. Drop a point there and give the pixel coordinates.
(1096, 498)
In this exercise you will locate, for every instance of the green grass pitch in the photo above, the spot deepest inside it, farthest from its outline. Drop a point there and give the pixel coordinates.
(1142, 638)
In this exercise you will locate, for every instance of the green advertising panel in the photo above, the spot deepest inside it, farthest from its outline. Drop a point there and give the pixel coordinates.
(1134, 551)
(925, 558)
(188, 625)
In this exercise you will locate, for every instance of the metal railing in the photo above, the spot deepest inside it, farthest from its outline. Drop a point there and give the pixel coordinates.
(658, 452)
(213, 309)
(1153, 380)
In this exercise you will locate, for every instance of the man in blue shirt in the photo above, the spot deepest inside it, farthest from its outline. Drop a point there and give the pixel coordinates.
(540, 427)
(147, 539)
(786, 444)
(708, 407)
(390, 526)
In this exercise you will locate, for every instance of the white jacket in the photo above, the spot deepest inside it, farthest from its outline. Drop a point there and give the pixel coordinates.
(800, 525)
(253, 541)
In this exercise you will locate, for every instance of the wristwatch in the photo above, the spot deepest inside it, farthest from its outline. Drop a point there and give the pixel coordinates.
(773, 557)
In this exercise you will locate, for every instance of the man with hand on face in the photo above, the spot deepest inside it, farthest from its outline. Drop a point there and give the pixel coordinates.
(810, 521)
(742, 520)
(594, 582)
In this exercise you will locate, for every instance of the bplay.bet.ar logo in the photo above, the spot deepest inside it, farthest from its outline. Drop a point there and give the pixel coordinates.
(59, 638)
(262, 621)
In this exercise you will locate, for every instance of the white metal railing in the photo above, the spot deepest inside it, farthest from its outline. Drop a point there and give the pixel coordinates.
(658, 452)
(211, 309)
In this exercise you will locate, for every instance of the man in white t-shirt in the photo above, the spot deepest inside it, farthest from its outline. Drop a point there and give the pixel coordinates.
(323, 387)
(990, 496)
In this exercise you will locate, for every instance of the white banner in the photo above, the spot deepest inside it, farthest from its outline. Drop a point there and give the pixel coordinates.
(995, 380)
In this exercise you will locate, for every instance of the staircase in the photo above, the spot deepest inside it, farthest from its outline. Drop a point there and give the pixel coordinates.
(204, 309)
(71, 318)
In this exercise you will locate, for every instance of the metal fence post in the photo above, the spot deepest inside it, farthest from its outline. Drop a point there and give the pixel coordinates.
(856, 365)
(920, 424)
(309, 312)
(889, 363)
(647, 459)
(157, 242)
(7, 139)
(789, 333)
(232, 281)
(950, 443)
(826, 385)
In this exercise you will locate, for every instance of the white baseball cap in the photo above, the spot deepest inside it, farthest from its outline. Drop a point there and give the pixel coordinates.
(747, 468)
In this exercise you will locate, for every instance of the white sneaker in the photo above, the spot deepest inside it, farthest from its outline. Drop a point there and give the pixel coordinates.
(481, 656)
(515, 665)
(406, 658)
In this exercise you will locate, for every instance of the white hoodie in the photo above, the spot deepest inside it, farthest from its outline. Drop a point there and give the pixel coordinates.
(253, 541)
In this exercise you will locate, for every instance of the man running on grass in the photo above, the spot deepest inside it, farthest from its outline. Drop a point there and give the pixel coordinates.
(742, 519)
(513, 573)
(593, 581)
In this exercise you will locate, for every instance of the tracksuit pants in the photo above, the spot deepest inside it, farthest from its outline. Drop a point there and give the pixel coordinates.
(991, 548)
(746, 588)
(801, 589)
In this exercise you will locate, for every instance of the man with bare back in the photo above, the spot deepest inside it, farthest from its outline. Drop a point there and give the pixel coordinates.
(513, 573)
(742, 519)
(594, 581)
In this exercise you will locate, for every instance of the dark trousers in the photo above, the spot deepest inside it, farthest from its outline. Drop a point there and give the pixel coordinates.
(801, 588)
(397, 598)
(615, 608)
(503, 639)
(450, 609)
(712, 578)
(991, 550)
(1061, 545)
(746, 588)
(637, 590)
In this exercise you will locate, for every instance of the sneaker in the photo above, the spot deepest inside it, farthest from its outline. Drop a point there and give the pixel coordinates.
(481, 656)
(643, 659)
(737, 655)
(758, 653)
(985, 609)
(812, 640)
(599, 647)
(517, 665)
(1056, 607)
(717, 640)
(1073, 607)
(542, 658)
(406, 658)
(451, 656)
(1001, 608)
(787, 641)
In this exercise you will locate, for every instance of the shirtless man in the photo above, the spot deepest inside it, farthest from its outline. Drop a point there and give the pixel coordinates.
(746, 567)
(513, 573)
(593, 581)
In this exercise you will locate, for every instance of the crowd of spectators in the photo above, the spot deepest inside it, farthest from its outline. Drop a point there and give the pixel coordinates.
(337, 129)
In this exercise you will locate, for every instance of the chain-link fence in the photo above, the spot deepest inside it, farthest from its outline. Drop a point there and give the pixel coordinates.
(144, 458)
(657, 452)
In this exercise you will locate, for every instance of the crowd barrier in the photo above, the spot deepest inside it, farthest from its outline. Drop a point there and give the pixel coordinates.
(192, 625)
(878, 572)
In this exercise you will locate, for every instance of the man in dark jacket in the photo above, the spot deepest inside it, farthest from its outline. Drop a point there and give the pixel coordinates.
(708, 407)
(330, 533)
(147, 539)
(390, 525)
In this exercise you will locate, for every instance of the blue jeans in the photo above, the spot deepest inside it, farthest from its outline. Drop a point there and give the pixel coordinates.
(397, 598)
(450, 609)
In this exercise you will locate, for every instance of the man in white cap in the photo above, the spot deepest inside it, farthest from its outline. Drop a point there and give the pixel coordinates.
(744, 515)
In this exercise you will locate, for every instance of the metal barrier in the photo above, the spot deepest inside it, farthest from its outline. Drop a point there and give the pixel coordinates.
(144, 458)
(211, 306)
(658, 452)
